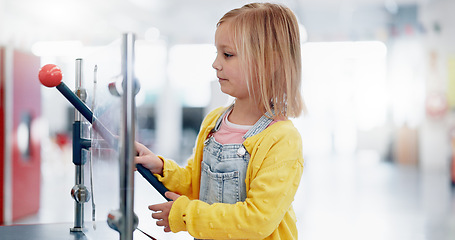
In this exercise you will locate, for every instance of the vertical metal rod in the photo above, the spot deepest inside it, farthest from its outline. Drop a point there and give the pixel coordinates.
(78, 83)
(79, 170)
(127, 138)
(79, 206)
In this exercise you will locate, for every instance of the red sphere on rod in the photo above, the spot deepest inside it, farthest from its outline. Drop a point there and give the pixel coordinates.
(50, 75)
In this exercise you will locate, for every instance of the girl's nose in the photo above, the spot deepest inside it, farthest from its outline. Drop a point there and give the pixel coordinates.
(216, 65)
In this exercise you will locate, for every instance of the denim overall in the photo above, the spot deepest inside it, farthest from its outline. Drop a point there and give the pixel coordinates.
(223, 169)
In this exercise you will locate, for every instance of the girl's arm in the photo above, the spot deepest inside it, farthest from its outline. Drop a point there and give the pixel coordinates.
(177, 179)
(174, 177)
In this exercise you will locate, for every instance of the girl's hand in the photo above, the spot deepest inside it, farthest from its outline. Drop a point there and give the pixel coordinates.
(148, 159)
(161, 211)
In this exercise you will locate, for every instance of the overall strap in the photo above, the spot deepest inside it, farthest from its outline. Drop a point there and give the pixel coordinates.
(220, 119)
(259, 126)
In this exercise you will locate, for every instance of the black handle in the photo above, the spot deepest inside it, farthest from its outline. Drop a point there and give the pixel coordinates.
(152, 180)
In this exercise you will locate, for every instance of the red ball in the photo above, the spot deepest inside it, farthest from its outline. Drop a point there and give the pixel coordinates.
(50, 75)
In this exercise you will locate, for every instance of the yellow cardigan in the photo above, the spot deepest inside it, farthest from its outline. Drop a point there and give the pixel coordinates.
(272, 179)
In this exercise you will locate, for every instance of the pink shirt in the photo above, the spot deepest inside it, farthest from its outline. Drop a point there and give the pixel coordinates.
(231, 133)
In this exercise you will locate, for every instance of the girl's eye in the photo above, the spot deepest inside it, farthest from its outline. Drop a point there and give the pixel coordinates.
(228, 55)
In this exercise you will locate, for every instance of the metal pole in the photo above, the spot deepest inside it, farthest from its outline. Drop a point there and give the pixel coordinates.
(79, 170)
(78, 87)
(127, 137)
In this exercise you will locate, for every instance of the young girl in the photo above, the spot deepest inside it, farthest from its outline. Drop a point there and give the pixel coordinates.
(246, 167)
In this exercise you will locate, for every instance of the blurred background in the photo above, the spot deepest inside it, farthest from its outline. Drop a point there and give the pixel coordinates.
(378, 81)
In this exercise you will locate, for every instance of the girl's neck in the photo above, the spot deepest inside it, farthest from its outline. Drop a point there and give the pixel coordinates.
(244, 113)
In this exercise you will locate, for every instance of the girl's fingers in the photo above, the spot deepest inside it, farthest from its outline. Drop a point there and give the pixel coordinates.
(171, 195)
(162, 220)
(157, 207)
(161, 211)
(161, 223)
(158, 215)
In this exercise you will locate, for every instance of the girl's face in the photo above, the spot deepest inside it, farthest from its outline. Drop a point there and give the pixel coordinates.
(227, 64)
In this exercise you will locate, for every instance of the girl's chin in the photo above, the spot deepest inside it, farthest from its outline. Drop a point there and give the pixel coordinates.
(224, 90)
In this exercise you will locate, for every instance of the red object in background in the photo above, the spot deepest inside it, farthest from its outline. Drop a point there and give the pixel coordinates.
(436, 105)
(50, 75)
(20, 107)
(62, 139)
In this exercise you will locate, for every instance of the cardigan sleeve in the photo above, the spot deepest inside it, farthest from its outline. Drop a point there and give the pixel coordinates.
(269, 196)
(175, 178)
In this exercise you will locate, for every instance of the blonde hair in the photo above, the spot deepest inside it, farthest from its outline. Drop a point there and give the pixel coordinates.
(267, 40)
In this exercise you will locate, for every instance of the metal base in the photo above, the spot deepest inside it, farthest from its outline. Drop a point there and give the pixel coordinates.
(77, 229)
(57, 231)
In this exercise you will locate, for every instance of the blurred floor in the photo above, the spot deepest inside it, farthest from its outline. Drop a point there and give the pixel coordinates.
(361, 197)
(353, 197)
